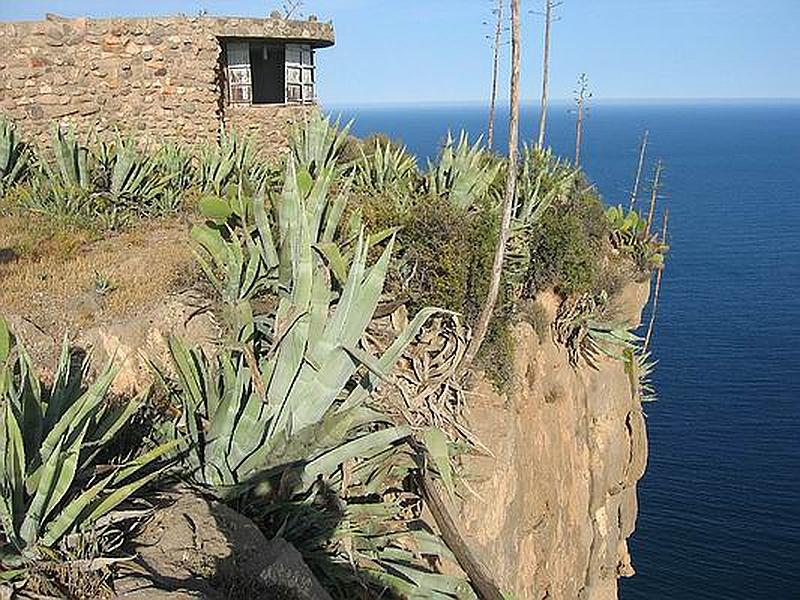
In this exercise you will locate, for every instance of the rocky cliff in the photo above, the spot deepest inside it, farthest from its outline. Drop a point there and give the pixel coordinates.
(549, 511)
(552, 509)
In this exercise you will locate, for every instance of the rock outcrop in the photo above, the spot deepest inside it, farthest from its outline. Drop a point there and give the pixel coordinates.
(195, 548)
(551, 511)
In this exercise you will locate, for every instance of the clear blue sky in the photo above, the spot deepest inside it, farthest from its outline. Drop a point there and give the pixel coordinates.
(436, 50)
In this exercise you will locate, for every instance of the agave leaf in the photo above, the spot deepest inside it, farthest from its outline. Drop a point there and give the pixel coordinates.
(318, 387)
(66, 474)
(426, 542)
(289, 210)
(389, 358)
(319, 307)
(249, 437)
(134, 466)
(69, 518)
(328, 433)
(29, 529)
(335, 210)
(363, 446)
(333, 257)
(408, 586)
(56, 479)
(436, 445)
(186, 367)
(265, 232)
(336, 326)
(64, 389)
(369, 295)
(113, 419)
(109, 502)
(12, 473)
(370, 362)
(75, 416)
(224, 420)
(5, 341)
(434, 585)
(317, 202)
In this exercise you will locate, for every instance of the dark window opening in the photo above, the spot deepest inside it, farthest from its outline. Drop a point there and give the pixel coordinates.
(266, 72)
(267, 65)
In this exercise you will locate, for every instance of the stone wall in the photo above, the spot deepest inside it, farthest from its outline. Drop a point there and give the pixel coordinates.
(159, 78)
(269, 124)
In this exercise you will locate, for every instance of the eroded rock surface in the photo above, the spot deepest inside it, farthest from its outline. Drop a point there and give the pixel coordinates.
(558, 499)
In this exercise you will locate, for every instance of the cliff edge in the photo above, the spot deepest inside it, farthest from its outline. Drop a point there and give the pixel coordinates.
(552, 510)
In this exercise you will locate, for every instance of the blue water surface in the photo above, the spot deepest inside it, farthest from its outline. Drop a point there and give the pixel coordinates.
(720, 503)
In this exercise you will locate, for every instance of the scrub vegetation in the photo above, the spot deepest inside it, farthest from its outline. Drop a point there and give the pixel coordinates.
(324, 273)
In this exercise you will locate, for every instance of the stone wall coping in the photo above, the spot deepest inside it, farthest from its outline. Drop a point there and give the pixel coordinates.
(318, 34)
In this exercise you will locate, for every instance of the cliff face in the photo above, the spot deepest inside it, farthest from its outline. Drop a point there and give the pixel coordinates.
(553, 508)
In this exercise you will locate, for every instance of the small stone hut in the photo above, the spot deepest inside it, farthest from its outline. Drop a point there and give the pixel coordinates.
(178, 78)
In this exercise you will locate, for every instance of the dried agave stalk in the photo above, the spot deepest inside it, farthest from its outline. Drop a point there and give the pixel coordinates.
(425, 391)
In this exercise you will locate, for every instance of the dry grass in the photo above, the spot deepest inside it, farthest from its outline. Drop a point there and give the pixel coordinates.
(61, 277)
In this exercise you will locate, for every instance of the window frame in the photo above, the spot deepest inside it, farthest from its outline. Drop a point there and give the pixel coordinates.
(300, 77)
(238, 69)
(303, 71)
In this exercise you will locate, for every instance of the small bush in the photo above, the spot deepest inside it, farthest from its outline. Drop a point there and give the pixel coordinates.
(533, 312)
(568, 249)
(446, 251)
(445, 259)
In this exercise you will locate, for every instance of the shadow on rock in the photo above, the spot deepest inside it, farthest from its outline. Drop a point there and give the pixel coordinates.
(199, 548)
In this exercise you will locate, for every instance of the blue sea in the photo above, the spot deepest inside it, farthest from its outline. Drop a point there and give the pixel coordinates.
(720, 503)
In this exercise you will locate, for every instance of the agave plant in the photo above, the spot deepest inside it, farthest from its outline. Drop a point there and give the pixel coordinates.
(388, 169)
(639, 366)
(316, 144)
(51, 481)
(580, 327)
(464, 173)
(62, 187)
(376, 527)
(304, 354)
(115, 183)
(285, 402)
(177, 164)
(629, 235)
(71, 169)
(14, 156)
(542, 180)
(226, 163)
(135, 184)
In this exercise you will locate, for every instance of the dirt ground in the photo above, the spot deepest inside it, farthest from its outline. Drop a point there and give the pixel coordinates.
(56, 279)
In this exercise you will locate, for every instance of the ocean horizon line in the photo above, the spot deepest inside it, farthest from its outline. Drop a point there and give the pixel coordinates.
(534, 103)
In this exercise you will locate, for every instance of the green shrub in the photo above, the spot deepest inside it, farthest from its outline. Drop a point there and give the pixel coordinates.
(569, 249)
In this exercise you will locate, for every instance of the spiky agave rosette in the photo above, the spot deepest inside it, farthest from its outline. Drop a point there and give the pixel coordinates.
(56, 489)
(282, 421)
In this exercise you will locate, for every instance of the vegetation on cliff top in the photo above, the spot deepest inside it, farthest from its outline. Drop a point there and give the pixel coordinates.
(315, 267)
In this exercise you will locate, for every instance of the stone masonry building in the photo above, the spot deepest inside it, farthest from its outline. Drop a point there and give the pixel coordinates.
(178, 78)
